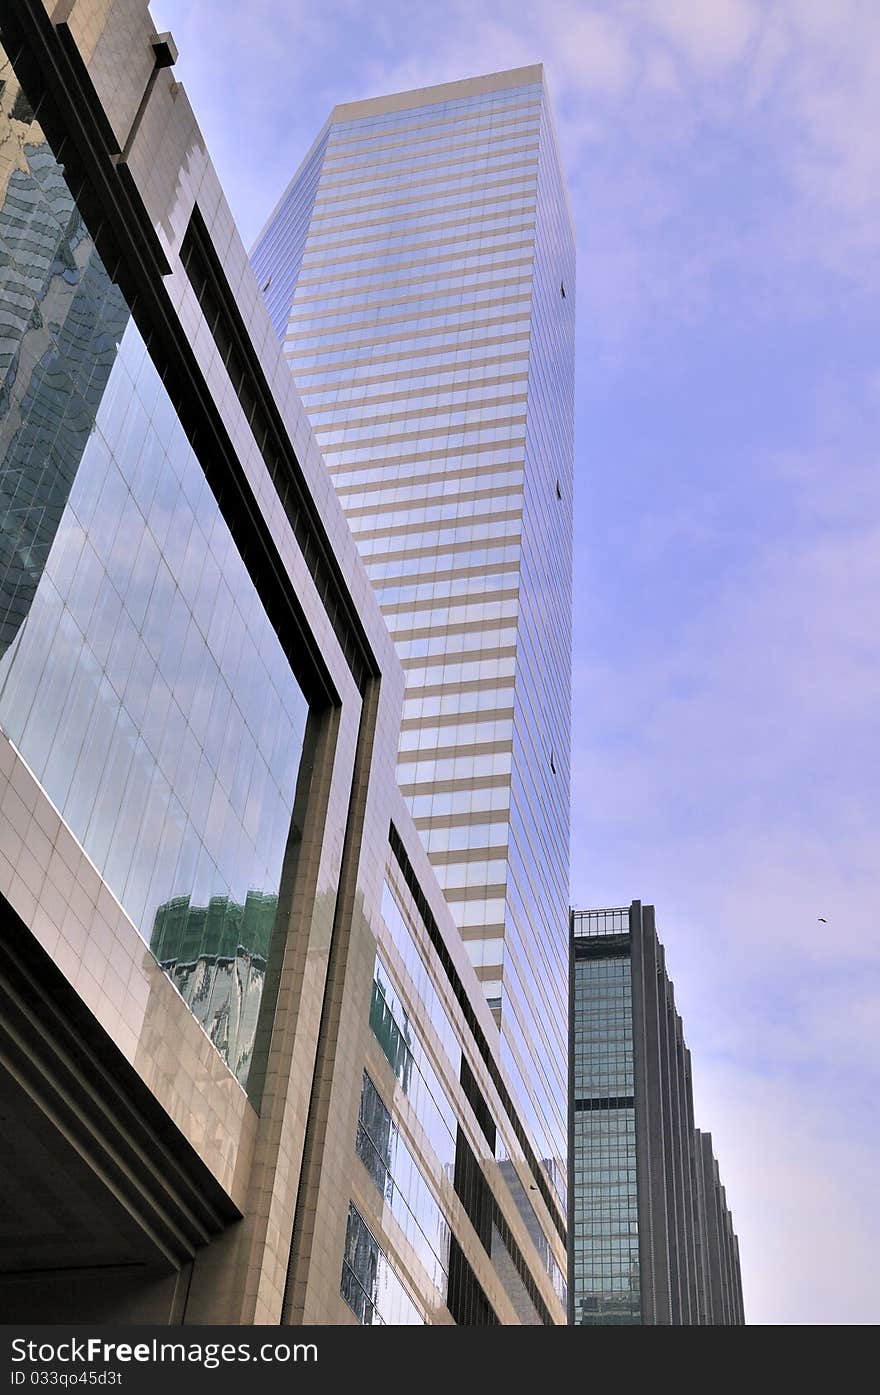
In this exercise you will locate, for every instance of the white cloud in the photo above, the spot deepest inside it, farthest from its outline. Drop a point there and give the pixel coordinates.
(711, 34)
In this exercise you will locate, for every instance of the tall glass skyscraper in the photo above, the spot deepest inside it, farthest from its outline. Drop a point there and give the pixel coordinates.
(420, 271)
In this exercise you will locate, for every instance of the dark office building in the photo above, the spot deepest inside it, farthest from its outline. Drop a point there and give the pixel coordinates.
(651, 1239)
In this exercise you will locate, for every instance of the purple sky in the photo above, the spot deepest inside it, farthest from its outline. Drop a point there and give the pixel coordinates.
(723, 159)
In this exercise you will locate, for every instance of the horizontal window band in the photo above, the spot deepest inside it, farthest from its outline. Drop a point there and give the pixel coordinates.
(506, 136)
(377, 414)
(425, 375)
(419, 206)
(448, 230)
(339, 336)
(351, 133)
(454, 856)
(438, 532)
(509, 432)
(469, 784)
(449, 501)
(457, 719)
(446, 603)
(451, 630)
(413, 292)
(601, 947)
(467, 656)
(426, 351)
(435, 134)
(482, 748)
(305, 334)
(341, 177)
(442, 462)
(474, 934)
(462, 895)
(425, 255)
(468, 685)
(408, 390)
(418, 306)
(438, 550)
(396, 276)
(470, 819)
(606, 1102)
(368, 195)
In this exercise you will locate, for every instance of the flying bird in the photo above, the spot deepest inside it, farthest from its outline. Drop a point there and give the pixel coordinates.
(823, 920)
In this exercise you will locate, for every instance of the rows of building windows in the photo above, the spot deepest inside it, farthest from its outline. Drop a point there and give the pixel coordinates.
(492, 249)
(434, 266)
(408, 618)
(396, 197)
(428, 467)
(412, 1066)
(440, 349)
(416, 128)
(605, 1230)
(414, 324)
(425, 141)
(369, 1284)
(367, 287)
(423, 347)
(477, 671)
(488, 257)
(438, 588)
(399, 306)
(401, 426)
(411, 216)
(493, 232)
(412, 413)
(444, 520)
(394, 165)
(407, 624)
(410, 117)
(481, 833)
(454, 542)
(460, 157)
(431, 290)
(496, 356)
(417, 971)
(452, 644)
(462, 170)
(460, 735)
(426, 138)
(465, 767)
(497, 551)
(390, 199)
(384, 1153)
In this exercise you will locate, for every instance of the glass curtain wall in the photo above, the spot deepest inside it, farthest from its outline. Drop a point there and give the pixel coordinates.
(140, 678)
(427, 259)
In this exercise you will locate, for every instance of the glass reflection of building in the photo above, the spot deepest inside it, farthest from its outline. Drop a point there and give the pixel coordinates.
(650, 1237)
(216, 956)
(140, 678)
(61, 320)
(420, 273)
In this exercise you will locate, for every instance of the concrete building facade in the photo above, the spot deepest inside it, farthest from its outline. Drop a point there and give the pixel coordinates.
(651, 1235)
(250, 1068)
